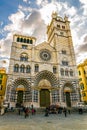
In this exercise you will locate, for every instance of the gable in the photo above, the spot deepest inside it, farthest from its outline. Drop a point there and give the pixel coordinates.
(44, 45)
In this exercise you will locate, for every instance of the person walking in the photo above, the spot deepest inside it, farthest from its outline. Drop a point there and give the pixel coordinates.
(32, 111)
(19, 111)
(46, 112)
(65, 111)
(26, 112)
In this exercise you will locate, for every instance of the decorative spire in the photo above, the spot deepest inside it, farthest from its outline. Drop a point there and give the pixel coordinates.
(54, 14)
(65, 18)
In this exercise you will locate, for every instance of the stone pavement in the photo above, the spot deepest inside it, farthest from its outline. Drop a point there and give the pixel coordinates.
(74, 121)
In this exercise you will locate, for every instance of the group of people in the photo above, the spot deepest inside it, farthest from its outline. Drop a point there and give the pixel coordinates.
(27, 111)
(59, 111)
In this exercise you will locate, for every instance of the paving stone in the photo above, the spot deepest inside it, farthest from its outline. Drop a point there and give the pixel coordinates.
(40, 122)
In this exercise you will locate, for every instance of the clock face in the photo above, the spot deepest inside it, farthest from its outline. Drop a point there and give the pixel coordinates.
(45, 55)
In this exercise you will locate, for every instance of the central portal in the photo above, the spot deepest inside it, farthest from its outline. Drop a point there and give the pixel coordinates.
(44, 98)
(20, 97)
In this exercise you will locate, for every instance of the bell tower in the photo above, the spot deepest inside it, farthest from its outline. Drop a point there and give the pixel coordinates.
(59, 37)
(58, 29)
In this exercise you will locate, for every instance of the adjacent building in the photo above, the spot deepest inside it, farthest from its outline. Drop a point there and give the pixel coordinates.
(82, 71)
(46, 73)
(3, 80)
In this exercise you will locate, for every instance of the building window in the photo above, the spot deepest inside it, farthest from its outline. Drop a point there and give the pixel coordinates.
(63, 27)
(54, 69)
(24, 57)
(80, 79)
(66, 73)
(35, 93)
(62, 71)
(1, 86)
(84, 72)
(18, 39)
(16, 68)
(13, 95)
(55, 96)
(22, 68)
(62, 33)
(24, 46)
(65, 63)
(79, 73)
(58, 26)
(1, 76)
(27, 40)
(0, 81)
(36, 68)
(84, 94)
(28, 69)
(71, 73)
(31, 41)
(82, 86)
(24, 40)
(21, 40)
(27, 96)
(64, 52)
(74, 96)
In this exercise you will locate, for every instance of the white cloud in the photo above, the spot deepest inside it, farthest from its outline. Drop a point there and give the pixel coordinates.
(42, 2)
(39, 2)
(25, 1)
(29, 21)
(83, 1)
(84, 6)
(71, 11)
(46, 11)
(1, 23)
(16, 20)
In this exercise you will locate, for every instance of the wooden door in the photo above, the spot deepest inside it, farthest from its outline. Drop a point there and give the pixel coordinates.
(44, 98)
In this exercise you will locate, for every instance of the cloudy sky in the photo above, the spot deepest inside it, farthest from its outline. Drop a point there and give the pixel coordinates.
(30, 17)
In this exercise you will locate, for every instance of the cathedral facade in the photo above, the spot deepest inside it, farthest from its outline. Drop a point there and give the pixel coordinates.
(46, 73)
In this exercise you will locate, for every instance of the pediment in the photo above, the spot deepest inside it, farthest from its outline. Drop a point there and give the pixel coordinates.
(45, 45)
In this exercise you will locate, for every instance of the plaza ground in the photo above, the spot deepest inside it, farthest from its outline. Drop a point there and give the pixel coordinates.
(74, 121)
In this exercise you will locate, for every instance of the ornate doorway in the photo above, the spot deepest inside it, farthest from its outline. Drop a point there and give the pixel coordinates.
(20, 97)
(44, 98)
(68, 100)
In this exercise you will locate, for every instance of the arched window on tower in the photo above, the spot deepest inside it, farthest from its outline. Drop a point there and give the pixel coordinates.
(24, 40)
(54, 69)
(22, 68)
(66, 72)
(16, 68)
(31, 41)
(58, 26)
(18, 39)
(36, 68)
(71, 72)
(62, 71)
(21, 40)
(28, 69)
(23, 57)
(27, 40)
(63, 52)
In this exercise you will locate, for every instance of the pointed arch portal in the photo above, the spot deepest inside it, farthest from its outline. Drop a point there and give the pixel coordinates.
(68, 89)
(45, 81)
(21, 91)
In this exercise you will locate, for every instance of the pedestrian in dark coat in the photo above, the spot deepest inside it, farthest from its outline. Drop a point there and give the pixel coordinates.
(46, 112)
(26, 112)
(65, 111)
